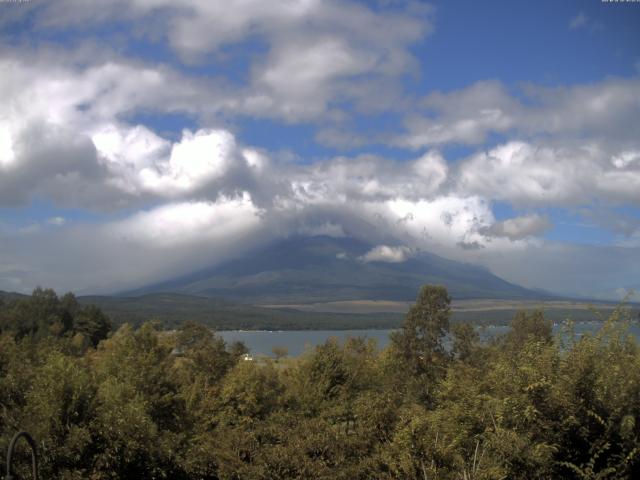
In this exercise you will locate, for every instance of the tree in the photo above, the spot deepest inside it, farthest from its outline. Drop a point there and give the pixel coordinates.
(526, 327)
(92, 323)
(40, 315)
(465, 340)
(418, 345)
(279, 352)
(139, 414)
(43, 314)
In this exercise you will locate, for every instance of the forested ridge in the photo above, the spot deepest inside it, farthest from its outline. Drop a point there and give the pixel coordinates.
(147, 403)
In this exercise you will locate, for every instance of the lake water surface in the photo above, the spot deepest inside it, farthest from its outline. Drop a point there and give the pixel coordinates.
(262, 342)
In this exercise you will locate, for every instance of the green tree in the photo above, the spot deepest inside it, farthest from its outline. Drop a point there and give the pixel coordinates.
(465, 341)
(279, 352)
(140, 415)
(528, 326)
(58, 412)
(44, 314)
(39, 315)
(92, 324)
(419, 343)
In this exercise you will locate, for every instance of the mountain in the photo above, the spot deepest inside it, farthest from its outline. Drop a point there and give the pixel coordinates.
(10, 296)
(323, 269)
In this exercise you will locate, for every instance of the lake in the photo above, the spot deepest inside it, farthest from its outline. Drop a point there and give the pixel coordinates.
(262, 342)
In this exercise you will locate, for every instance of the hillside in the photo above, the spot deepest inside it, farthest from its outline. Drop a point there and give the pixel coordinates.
(325, 269)
(173, 309)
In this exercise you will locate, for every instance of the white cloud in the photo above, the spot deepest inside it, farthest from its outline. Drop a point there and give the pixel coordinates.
(64, 135)
(326, 229)
(465, 116)
(526, 174)
(316, 51)
(115, 164)
(579, 21)
(521, 173)
(368, 177)
(81, 89)
(7, 155)
(606, 110)
(179, 224)
(519, 227)
(96, 159)
(441, 223)
(384, 253)
(626, 159)
(57, 221)
(627, 294)
(298, 79)
(195, 160)
(47, 159)
(161, 242)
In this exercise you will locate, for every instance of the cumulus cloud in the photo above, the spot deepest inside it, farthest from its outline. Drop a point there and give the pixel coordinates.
(316, 51)
(605, 110)
(526, 174)
(450, 226)
(44, 157)
(62, 133)
(178, 224)
(197, 159)
(368, 177)
(94, 157)
(93, 86)
(464, 116)
(384, 253)
(63, 136)
(78, 149)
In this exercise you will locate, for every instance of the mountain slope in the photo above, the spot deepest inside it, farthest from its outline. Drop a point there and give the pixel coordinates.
(322, 269)
(173, 309)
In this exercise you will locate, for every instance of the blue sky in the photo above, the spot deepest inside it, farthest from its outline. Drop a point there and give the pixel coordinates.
(140, 140)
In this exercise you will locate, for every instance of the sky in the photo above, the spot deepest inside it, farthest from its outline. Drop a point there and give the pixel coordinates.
(143, 139)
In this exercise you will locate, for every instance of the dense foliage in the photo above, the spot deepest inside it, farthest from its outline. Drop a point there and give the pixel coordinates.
(146, 403)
